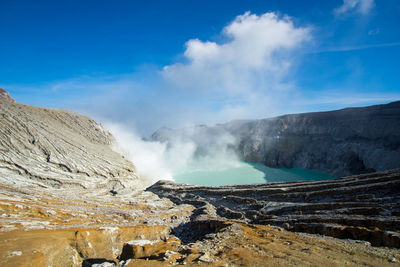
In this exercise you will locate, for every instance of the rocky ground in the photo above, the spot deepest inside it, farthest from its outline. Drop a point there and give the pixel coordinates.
(67, 199)
(362, 207)
(55, 229)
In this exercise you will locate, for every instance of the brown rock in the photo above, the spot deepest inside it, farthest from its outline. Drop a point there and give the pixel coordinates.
(138, 249)
(144, 263)
(172, 256)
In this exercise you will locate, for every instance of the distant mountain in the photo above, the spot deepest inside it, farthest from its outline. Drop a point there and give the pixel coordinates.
(341, 142)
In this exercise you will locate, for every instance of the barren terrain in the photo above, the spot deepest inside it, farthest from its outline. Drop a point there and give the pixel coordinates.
(68, 199)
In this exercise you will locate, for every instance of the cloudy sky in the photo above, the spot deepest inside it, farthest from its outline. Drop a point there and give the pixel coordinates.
(148, 64)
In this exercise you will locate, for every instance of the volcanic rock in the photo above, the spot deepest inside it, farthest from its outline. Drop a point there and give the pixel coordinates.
(137, 249)
(68, 199)
(362, 207)
(341, 142)
(6, 96)
(51, 148)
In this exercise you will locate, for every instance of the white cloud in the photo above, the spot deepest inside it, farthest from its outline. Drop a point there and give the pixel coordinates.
(360, 6)
(247, 69)
(247, 75)
(255, 47)
(354, 47)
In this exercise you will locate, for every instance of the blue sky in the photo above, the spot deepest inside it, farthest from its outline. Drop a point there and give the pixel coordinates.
(148, 64)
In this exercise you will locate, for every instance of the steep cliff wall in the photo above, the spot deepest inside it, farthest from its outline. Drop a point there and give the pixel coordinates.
(52, 148)
(342, 142)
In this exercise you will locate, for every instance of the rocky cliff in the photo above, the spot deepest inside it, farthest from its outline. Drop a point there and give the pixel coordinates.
(52, 148)
(342, 142)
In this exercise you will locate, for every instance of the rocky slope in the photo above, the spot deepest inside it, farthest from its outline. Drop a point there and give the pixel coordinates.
(342, 142)
(67, 199)
(58, 149)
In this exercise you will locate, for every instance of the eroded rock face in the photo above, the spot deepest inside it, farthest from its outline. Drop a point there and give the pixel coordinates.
(342, 142)
(6, 96)
(58, 149)
(363, 207)
(69, 247)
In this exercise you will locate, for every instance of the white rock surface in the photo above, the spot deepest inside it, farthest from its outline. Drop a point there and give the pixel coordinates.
(52, 148)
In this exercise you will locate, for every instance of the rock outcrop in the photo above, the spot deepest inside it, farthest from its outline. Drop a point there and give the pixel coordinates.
(342, 142)
(363, 207)
(58, 149)
(6, 96)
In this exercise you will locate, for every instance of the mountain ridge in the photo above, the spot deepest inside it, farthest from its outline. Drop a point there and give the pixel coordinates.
(341, 142)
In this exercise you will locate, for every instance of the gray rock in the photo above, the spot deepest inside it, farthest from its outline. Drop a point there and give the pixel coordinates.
(342, 142)
(348, 208)
(51, 148)
(5, 96)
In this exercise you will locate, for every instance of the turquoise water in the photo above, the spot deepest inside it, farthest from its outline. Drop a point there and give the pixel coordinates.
(247, 173)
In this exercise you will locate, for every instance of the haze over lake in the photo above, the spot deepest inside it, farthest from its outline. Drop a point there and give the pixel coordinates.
(246, 173)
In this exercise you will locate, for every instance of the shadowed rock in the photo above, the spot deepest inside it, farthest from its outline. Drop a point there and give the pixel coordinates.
(365, 207)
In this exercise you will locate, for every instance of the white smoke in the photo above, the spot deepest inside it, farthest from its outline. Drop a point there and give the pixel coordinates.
(189, 150)
(240, 77)
(148, 157)
(209, 149)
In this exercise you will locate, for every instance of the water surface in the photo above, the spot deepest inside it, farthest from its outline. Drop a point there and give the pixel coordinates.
(247, 173)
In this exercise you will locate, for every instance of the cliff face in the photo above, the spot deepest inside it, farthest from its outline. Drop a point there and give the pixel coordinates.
(52, 148)
(343, 142)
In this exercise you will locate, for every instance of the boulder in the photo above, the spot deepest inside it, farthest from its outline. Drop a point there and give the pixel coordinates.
(152, 249)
